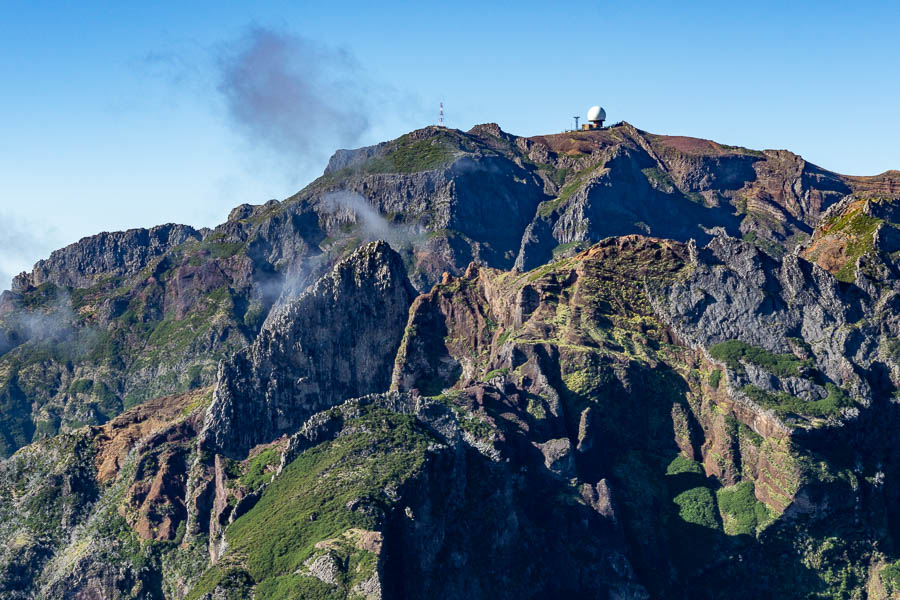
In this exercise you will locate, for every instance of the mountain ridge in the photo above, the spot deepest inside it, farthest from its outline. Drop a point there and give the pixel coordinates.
(603, 364)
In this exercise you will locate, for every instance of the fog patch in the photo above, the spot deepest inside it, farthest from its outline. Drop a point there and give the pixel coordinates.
(351, 207)
(53, 323)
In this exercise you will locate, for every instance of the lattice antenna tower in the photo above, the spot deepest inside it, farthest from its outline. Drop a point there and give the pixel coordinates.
(576, 123)
(441, 117)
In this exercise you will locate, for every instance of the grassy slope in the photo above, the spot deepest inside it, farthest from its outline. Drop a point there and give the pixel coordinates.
(311, 502)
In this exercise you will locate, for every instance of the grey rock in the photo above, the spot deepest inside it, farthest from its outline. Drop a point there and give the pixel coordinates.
(558, 457)
(336, 341)
(737, 292)
(323, 567)
(120, 253)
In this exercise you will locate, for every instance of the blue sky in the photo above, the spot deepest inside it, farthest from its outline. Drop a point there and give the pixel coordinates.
(118, 115)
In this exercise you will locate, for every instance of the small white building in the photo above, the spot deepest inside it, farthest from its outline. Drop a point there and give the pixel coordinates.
(596, 115)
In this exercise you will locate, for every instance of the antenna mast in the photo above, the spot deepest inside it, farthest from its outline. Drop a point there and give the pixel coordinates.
(576, 123)
(441, 119)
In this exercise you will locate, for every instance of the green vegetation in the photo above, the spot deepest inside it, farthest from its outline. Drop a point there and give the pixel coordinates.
(107, 401)
(573, 186)
(323, 493)
(564, 249)
(659, 179)
(692, 519)
(785, 405)
(741, 150)
(890, 577)
(409, 155)
(715, 377)
(81, 386)
(733, 352)
(16, 427)
(496, 373)
(475, 425)
(257, 470)
(559, 175)
(696, 198)
(536, 408)
(470, 422)
(235, 582)
(420, 155)
(214, 246)
(46, 483)
(859, 229)
(548, 207)
(698, 506)
(298, 586)
(742, 513)
(576, 182)
(748, 434)
(854, 222)
(254, 317)
(681, 464)
(194, 376)
(45, 295)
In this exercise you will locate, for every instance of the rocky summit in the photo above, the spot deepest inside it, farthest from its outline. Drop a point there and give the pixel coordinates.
(603, 364)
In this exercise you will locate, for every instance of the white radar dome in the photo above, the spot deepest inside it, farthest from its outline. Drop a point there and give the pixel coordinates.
(595, 113)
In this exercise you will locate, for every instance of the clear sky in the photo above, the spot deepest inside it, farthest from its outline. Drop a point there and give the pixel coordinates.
(128, 114)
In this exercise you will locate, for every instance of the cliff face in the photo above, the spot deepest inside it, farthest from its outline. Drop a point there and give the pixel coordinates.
(636, 366)
(119, 318)
(574, 430)
(677, 380)
(115, 254)
(336, 341)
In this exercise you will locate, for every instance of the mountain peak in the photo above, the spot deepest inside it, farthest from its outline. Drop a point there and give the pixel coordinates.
(599, 350)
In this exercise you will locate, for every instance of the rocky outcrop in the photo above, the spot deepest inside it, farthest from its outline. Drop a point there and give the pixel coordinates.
(336, 341)
(560, 432)
(736, 292)
(442, 198)
(117, 254)
(623, 180)
(117, 438)
(633, 417)
(857, 241)
(419, 547)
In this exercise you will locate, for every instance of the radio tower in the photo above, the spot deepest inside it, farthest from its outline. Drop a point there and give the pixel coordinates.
(441, 118)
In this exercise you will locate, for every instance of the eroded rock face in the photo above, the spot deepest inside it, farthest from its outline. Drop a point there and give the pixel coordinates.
(120, 253)
(148, 313)
(425, 552)
(90, 578)
(336, 341)
(546, 355)
(553, 433)
(623, 180)
(735, 292)
(564, 432)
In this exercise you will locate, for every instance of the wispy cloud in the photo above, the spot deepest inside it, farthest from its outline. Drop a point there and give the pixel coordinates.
(293, 95)
(351, 207)
(291, 100)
